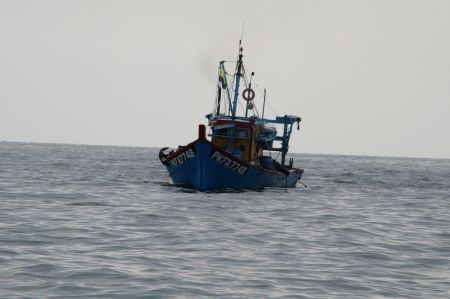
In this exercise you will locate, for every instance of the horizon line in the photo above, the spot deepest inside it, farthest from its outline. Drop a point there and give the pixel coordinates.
(299, 153)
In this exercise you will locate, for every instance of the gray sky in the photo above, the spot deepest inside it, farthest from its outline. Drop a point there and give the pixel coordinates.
(367, 77)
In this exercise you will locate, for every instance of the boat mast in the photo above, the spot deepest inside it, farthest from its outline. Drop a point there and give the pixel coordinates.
(238, 79)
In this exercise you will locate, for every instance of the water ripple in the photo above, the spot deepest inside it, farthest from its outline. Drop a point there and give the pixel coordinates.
(105, 222)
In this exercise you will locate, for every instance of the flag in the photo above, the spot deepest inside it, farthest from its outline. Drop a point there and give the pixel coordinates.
(222, 77)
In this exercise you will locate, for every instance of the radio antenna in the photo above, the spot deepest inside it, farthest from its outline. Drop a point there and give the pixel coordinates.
(242, 33)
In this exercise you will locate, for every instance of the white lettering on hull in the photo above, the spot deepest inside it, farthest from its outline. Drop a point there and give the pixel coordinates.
(182, 158)
(229, 163)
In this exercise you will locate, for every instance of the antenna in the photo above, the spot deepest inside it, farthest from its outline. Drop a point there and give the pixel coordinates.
(242, 33)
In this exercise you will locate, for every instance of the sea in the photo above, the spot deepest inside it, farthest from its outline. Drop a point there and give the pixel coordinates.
(82, 221)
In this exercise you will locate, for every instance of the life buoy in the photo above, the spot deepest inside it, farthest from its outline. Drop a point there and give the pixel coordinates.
(248, 94)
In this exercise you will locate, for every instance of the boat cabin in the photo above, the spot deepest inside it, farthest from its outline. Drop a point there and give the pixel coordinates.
(249, 135)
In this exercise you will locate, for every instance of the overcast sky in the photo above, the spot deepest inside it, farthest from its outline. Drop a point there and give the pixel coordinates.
(367, 77)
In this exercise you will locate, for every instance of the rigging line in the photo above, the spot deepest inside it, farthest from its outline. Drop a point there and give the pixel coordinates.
(255, 110)
(267, 100)
(255, 107)
(230, 78)
(244, 77)
(271, 108)
(246, 81)
(230, 61)
(244, 74)
(227, 89)
(231, 90)
(246, 84)
(259, 89)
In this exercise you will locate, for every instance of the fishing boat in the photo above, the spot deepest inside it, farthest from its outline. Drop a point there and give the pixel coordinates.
(238, 151)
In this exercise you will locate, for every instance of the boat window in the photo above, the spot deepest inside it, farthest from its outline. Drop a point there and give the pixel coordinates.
(242, 133)
(222, 132)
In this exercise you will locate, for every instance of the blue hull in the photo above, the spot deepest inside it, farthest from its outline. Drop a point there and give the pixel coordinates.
(204, 166)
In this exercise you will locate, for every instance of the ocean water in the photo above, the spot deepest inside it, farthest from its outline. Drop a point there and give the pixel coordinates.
(105, 222)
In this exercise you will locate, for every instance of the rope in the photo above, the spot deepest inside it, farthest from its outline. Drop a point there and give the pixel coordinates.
(267, 99)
